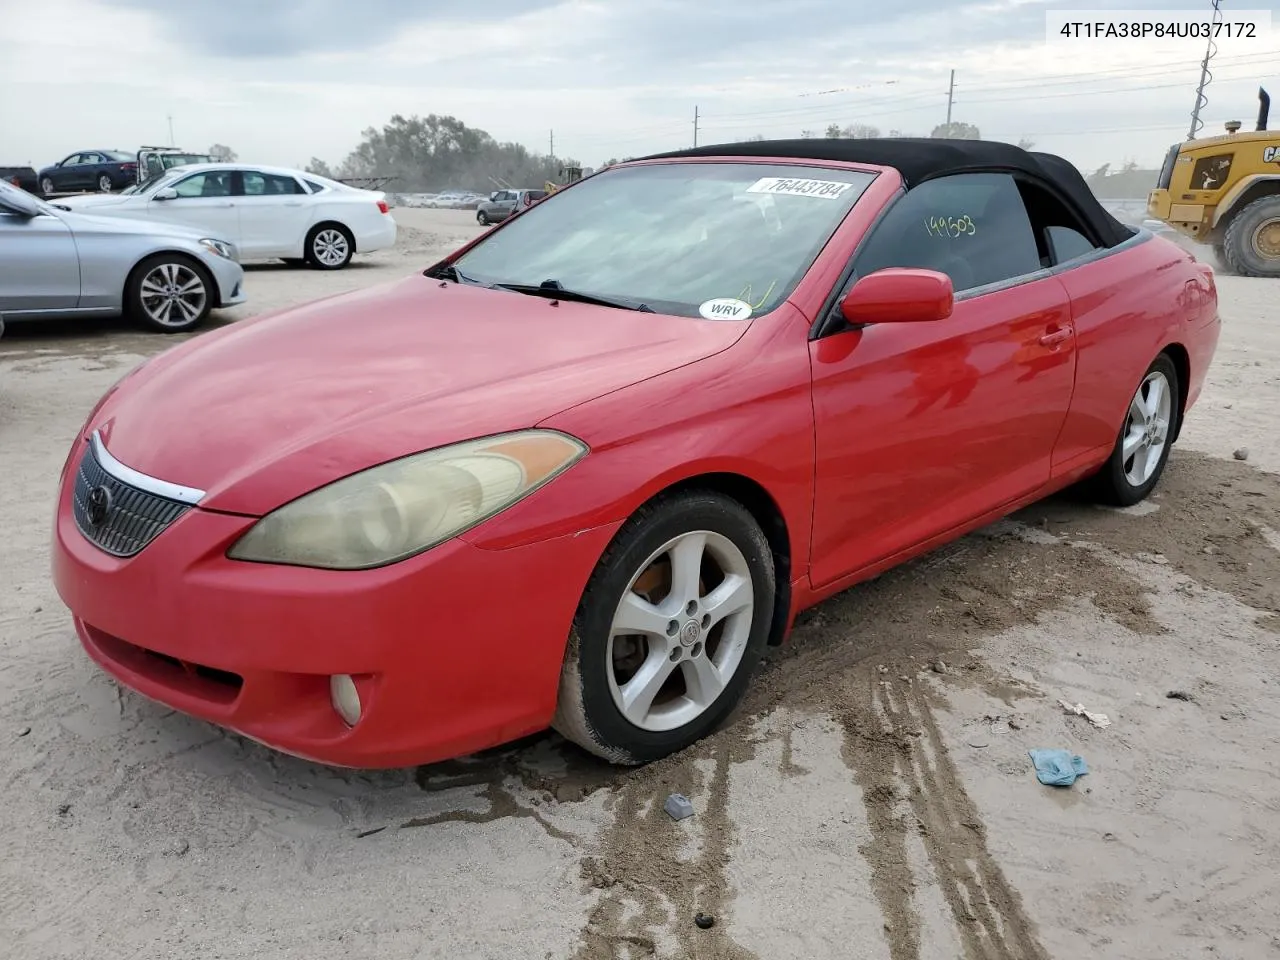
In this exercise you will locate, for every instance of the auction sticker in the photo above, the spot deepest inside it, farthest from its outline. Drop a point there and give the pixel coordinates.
(725, 308)
(790, 186)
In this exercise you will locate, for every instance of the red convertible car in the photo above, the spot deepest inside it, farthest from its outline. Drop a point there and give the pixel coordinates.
(581, 472)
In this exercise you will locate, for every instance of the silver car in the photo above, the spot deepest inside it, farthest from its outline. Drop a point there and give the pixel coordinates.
(55, 263)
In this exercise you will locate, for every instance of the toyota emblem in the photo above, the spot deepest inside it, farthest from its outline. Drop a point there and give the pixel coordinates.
(97, 505)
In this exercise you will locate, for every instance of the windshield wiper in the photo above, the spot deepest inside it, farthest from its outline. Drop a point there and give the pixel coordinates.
(553, 289)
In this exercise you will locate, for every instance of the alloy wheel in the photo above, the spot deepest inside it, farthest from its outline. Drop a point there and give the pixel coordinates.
(173, 294)
(1146, 428)
(330, 247)
(680, 631)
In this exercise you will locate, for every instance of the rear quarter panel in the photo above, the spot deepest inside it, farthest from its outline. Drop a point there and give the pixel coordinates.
(1127, 307)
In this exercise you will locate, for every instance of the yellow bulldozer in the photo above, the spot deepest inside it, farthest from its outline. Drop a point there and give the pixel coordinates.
(568, 175)
(1225, 191)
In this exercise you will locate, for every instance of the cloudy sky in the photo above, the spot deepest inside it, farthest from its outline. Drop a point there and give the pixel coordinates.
(281, 81)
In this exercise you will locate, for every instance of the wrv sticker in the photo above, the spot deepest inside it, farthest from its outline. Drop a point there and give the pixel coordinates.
(826, 189)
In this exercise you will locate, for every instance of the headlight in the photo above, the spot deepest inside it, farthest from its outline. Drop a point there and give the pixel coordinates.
(219, 247)
(393, 511)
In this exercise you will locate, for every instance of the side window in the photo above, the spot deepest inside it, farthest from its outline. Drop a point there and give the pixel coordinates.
(973, 227)
(268, 184)
(1061, 235)
(315, 186)
(213, 184)
(1066, 244)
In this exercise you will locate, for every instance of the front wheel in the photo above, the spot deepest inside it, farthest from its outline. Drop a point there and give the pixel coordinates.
(1252, 243)
(330, 247)
(169, 294)
(46, 186)
(482, 219)
(669, 629)
(1142, 448)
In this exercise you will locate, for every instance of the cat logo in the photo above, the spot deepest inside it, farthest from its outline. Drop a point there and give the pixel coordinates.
(1271, 155)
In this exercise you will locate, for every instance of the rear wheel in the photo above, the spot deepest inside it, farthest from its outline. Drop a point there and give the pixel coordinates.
(1142, 448)
(1251, 246)
(669, 629)
(330, 246)
(169, 293)
(105, 184)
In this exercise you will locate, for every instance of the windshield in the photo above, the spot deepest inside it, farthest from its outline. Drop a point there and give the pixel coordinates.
(675, 236)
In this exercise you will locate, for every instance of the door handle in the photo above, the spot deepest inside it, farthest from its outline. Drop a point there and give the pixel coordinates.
(293, 203)
(1055, 337)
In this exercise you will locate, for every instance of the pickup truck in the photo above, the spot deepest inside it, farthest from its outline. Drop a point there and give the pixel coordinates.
(22, 177)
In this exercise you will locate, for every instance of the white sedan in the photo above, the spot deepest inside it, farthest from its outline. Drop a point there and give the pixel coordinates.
(269, 213)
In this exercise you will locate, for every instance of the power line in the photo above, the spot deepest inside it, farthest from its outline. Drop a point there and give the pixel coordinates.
(1143, 73)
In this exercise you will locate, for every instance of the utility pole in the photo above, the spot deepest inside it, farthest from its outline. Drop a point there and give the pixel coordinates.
(695, 125)
(951, 97)
(553, 144)
(171, 141)
(1205, 75)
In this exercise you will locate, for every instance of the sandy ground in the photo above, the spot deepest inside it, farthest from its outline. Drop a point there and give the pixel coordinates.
(873, 798)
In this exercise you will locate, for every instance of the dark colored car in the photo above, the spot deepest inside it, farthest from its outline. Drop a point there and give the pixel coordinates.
(103, 170)
(503, 203)
(24, 178)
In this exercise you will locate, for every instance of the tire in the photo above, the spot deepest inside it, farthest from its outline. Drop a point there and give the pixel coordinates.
(1252, 242)
(164, 273)
(104, 184)
(46, 186)
(1121, 487)
(596, 667)
(329, 246)
(482, 219)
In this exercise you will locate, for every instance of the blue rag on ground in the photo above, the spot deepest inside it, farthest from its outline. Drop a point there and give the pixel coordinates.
(1058, 768)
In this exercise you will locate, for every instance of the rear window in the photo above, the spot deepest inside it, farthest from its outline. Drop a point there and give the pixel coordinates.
(692, 239)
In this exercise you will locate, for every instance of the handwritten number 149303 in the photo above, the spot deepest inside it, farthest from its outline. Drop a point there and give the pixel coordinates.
(951, 226)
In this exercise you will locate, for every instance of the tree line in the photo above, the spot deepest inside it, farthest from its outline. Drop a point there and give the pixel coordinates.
(435, 153)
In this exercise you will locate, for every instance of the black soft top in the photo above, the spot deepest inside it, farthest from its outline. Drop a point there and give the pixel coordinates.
(919, 159)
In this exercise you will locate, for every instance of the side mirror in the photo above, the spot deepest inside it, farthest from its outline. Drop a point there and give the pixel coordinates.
(20, 205)
(168, 193)
(899, 295)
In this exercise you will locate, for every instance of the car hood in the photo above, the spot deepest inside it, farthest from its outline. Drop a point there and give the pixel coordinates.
(88, 222)
(95, 201)
(267, 409)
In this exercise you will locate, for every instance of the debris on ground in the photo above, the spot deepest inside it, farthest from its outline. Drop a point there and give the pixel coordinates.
(938, 666)
(1241, 454)
(369, 833)
(1180, 695)
(24, 731)
(178, 848)
(678, 806)
(1097, 719)
(704, 922)
(1057, 768)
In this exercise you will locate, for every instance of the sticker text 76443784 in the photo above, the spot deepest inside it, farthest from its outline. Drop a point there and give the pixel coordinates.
(826, 189)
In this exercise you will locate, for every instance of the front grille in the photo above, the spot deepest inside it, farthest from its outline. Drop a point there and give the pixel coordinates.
(127, 518)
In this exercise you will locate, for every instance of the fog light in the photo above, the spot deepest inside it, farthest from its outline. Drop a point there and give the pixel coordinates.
(346, 698)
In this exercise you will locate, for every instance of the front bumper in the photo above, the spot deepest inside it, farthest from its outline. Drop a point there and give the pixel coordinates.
(229, 276)
(454, 651)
